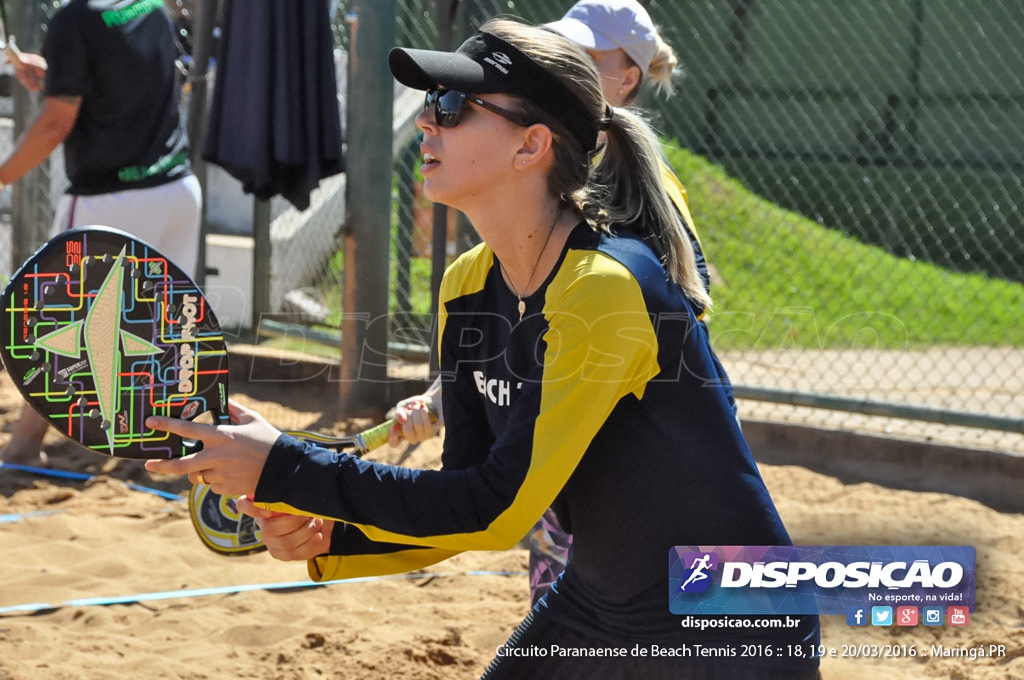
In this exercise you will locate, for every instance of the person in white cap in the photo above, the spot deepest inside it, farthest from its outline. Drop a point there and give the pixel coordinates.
(624, 44)
(627, 50)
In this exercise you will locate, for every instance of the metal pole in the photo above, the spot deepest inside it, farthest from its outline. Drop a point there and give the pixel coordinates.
(406, 227)
(474, 14)
(368, 209)
(438, 260)
(872, 407)
(26, 233)
(199, 111)
(446, 13)
(261, 253)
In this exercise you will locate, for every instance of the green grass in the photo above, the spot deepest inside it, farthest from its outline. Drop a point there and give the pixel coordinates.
(417, 326)
(419, 286)
(787, 281)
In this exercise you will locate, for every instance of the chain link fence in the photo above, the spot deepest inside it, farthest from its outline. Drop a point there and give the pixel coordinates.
(883, 141)
(855, 174)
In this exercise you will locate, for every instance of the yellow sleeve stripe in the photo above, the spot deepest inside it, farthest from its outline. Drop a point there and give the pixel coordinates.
(465, 276)
(337, 567)
(677, 192)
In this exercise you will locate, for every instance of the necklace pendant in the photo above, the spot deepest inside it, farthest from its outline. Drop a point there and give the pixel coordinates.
(522, 308)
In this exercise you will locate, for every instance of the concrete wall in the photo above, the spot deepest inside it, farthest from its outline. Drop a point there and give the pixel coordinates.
(993, 478)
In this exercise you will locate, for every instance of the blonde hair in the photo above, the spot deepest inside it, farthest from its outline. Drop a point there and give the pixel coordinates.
(663, 68)
(624, 190)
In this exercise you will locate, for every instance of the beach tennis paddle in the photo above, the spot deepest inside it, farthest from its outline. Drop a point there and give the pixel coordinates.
(98, 331)
(226, 531)
(219, 524)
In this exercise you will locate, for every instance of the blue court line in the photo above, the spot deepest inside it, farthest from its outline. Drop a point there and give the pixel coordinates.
(230, 590)
(7, 519)
(81, 476)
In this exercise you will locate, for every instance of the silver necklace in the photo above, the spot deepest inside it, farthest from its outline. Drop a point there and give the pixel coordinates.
(522, 303)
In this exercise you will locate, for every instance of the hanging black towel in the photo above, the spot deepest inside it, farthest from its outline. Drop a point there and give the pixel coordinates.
(274, 119)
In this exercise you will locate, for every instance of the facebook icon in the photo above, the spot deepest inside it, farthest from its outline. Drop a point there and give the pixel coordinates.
(856, 616)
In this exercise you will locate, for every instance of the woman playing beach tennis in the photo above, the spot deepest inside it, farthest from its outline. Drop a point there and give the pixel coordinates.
(628, 51)
(576, 376)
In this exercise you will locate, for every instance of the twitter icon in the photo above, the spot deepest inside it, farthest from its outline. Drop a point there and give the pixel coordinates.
(881, 616)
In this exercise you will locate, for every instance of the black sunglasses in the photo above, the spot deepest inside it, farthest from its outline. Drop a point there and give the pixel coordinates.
(448, 108)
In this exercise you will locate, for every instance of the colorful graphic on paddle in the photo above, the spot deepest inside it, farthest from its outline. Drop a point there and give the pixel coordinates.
(100, 331)
(224, 530)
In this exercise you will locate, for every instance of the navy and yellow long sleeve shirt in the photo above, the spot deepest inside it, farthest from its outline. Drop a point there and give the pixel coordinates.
(604, 401)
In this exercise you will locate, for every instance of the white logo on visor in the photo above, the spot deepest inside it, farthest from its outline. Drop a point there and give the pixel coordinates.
(499, 60)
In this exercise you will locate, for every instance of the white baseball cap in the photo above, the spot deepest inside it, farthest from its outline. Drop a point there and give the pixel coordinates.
(611, 24)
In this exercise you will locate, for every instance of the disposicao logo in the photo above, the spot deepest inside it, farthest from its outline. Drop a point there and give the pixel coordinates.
(820, 579)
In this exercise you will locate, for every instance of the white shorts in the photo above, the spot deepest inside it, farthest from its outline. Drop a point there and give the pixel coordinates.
(166, 217)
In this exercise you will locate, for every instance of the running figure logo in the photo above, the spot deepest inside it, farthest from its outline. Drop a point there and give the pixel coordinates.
(698, 578)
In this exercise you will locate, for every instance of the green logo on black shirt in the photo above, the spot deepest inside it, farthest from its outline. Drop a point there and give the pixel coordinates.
(136, 173)
(116, 17)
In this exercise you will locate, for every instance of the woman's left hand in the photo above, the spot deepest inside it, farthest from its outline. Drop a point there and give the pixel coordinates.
(290, 537)
(232, 457)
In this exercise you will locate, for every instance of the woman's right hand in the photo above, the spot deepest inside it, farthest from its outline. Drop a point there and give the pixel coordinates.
(290, 537)
(419, 419)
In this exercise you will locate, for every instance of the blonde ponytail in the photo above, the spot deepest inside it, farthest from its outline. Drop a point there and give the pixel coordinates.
(663, 68)
(626, 192)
